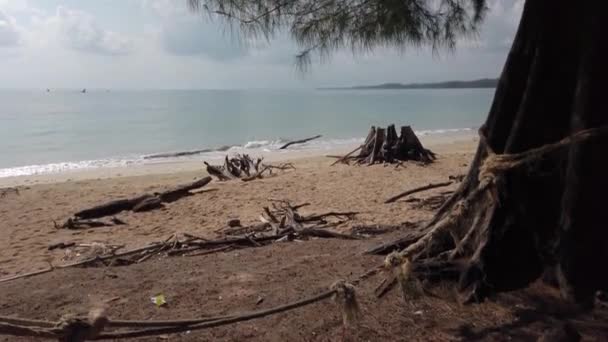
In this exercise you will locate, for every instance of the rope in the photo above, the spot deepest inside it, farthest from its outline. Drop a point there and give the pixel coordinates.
(219, 322)
(23, 331)
(78, 329)
(27, 322)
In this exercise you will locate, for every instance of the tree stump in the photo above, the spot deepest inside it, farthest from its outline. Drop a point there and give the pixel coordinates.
(385, 146)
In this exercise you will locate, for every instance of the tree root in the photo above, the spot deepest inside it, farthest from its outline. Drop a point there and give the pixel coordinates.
(469, 228)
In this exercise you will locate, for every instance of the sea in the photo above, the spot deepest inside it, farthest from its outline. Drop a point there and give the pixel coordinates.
(60, 130)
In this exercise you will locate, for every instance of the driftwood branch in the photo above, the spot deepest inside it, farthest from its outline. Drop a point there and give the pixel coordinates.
(75, 223)
(142, 202)
(243, 167)
(342, 159)
(29, 274)
(256, 175)
(299, 142)
(419, 189)
(349, 214)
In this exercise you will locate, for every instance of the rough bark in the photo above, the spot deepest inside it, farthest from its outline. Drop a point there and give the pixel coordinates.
(412, 146)
(508, 227)
(378, 141)
(368, 144)
(385, 146)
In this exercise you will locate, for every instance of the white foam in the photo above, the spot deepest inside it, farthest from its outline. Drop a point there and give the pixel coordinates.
(65, 166)
(254, 148)
(443, 131)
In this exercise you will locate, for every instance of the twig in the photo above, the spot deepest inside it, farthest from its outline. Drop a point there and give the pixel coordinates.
(111, 256)
(211, 251)
(299, 141)
(25, 275)
(419, 189)
(296, 207)
(149, 255)
(284, 166)
(318, 217)
(342, 159)
(256, 175)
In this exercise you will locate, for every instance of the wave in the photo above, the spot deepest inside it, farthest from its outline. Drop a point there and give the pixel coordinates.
(30, 170)
(210, 154)
(443, 131)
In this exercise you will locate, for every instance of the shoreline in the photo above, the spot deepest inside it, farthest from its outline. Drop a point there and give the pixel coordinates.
(28, 214)
(446, 142)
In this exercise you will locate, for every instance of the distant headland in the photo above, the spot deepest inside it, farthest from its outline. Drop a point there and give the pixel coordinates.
(481, 83)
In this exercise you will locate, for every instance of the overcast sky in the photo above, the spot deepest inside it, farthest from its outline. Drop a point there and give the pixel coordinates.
(160, 44)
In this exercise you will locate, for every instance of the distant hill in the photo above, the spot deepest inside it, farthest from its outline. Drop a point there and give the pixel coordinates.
(481, 83)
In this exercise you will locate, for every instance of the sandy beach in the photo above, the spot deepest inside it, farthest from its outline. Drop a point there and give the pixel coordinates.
(248, 279)
(27, 217)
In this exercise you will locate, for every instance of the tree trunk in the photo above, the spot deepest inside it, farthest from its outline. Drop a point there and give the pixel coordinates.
(510, 227)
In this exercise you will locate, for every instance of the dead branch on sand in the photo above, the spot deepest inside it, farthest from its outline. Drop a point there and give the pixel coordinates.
(281, 222)
(75, 223)
(243, 167)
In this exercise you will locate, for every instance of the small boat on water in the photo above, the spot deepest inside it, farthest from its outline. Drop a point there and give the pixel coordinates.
(84, 90)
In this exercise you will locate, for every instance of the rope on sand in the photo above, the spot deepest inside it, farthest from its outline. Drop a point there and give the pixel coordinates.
(79, 329)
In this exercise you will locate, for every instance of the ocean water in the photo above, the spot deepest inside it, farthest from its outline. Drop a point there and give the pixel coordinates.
(42, 132)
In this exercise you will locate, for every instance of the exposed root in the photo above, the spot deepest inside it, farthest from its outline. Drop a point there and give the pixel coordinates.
(462, 229)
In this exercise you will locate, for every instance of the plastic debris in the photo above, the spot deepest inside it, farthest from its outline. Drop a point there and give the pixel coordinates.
(158, 300)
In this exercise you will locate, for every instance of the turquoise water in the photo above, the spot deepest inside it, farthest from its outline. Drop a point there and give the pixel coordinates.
(102, 128)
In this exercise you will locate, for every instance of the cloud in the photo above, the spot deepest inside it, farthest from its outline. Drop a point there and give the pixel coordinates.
(192, 36)
(165, 8)
(86, 43)
(183, 33)
(12, 6)
(79, 31)
(9, 34)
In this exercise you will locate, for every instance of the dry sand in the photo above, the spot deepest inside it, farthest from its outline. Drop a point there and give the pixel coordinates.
(26, 219)
(235, 280)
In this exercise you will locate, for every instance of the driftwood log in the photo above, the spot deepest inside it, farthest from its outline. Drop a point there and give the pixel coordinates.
(243, 167)
(142, 202)
(385, 146)
(299, 142)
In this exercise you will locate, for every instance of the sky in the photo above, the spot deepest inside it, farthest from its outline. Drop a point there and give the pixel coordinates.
(160, 44)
